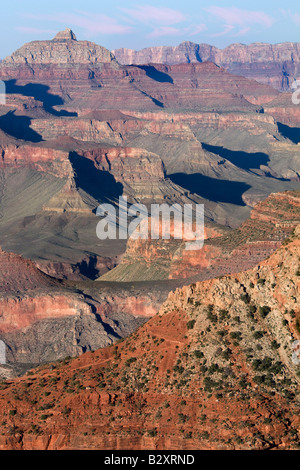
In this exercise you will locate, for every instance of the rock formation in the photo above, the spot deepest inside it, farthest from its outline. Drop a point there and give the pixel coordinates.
(224, 252)
(79, 129)
(42, 320)
(64, 49)
(273, 64)
(66, 35)
(213, 370)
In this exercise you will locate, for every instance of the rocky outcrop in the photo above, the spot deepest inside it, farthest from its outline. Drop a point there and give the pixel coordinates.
(91, 266)
(42, 319)
(182, 133)
(18, 275)
(213, 370)
(66, 35)
(90, 73)
(55, 162)
(274, 64)
(270, 223)
(140, 174)
(81, 129)
(67, 200)
(19, 314)
(64, 49)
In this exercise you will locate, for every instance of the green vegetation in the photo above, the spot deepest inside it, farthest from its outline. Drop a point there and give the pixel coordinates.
(264, 311)
(190, 325)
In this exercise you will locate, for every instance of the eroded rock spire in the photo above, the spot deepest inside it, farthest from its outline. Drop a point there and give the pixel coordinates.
(66, 35)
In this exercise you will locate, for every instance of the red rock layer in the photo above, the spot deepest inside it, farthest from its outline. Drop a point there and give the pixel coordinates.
(223, 253)
(213, 370)
(274, 64)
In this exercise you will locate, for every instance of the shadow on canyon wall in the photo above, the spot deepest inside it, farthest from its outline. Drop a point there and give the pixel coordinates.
(101, 185)
(19, 127)
(39, 92)
(244, 160)
(292, 133)
(213, 189)
(155, 74)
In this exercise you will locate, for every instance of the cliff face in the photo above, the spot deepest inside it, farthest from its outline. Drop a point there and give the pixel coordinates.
(18, 275)
(181, 133)
(89, 73)
(63, 49)
(178, 103)
(55, 162)
(224, 252)
(274, 64)
(214, 369)
(42, 319)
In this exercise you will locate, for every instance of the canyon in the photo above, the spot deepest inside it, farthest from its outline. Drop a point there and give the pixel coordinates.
(224, 251)
(105, 337)
(274, 64)
(43, 319)
(218, 355)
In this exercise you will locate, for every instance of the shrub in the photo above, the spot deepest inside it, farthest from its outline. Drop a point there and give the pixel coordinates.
(252, 308)
(224, 314)
(44, 417)
(226, 354)
(210, 315)
(183, 418)
(259, 379)
(198, 354)
(236, 335)
(130, 361)
(213, 368)
(190, 325)
(264, 311)
(262, 365)
(258, 335)
(245, 298)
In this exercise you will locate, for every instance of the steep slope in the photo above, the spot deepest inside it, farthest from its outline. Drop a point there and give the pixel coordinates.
(64, 49)
(59, 186)
(72, 110)
(18, 275)
(224, 251)
(274, 64)
(215, 369)
(42, 319)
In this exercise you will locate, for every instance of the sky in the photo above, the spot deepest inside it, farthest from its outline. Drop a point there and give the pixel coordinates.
(138, 24)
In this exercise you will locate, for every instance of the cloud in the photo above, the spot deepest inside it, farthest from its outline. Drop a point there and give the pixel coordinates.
(242, 31)
(150, 14)
(196, 29)
(92, 24)
(166, 21)
(296, 18)
(228, 29)
(164, 31)
(160, 21)
(239, 18)
(28, 30)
